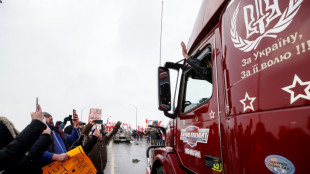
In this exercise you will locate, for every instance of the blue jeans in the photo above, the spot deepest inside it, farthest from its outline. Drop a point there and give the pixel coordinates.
(159, 142)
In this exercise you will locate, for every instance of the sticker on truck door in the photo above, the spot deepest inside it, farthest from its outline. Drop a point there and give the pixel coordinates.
(193, 135)
(279, 164)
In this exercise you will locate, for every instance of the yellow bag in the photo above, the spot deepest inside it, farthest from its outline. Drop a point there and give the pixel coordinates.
(78, 163)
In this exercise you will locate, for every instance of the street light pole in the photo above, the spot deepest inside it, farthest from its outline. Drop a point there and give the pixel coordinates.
(136, 113)
(82, 111)
(108, 120)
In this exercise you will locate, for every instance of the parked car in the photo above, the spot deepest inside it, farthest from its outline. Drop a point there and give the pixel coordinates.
(122, 135)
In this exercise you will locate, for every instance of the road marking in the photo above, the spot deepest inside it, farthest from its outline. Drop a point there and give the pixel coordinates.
(112, 159)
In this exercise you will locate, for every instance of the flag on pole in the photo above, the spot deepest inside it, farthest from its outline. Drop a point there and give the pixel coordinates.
(159, 122)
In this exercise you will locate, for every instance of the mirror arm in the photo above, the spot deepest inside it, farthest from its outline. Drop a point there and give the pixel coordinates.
(172, 116)
(174, 66)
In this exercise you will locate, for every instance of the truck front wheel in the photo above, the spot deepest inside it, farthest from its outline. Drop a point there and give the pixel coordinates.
(161, 170)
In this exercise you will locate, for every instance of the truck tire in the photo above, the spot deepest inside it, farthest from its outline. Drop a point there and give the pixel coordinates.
(161, 170)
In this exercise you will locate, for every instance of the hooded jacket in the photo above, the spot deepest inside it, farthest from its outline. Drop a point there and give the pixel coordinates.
(17, 150)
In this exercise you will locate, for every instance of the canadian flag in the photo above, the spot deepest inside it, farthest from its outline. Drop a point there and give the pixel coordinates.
(140, 128)
(109, 123)
(159, 123)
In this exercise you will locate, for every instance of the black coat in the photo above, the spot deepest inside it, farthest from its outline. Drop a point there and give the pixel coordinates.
(68, 129)
(202, 70)
(13, 149)
(30, 161)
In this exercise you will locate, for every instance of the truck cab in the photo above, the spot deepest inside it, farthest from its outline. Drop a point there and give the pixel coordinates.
(253, 116)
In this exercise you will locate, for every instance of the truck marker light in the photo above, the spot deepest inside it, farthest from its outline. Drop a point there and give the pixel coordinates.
(305, 94)
(245, 102)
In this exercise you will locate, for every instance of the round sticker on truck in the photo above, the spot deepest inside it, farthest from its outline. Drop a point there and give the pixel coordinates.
(279, 164)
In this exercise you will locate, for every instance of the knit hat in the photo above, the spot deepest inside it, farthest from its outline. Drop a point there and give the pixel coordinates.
(81, 123)
(58, 123)
(46, 114)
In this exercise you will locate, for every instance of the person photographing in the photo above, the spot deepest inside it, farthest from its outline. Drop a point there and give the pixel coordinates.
(61, 141)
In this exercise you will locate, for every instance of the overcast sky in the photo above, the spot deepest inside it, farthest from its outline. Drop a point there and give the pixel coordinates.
(76, 54)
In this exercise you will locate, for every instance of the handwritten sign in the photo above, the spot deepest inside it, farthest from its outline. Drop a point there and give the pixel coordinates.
(94, 114)
(78, 163)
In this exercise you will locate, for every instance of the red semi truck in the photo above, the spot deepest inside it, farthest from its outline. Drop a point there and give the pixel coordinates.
(254, 115)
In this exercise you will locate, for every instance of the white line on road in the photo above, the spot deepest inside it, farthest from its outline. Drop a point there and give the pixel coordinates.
(112, 159)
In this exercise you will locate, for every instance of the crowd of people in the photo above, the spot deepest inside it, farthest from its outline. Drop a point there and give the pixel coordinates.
(43, 142)
(153, 136)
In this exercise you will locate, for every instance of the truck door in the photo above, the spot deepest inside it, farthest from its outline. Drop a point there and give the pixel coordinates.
(198, 135)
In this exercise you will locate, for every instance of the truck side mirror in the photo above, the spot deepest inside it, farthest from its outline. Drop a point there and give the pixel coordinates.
(164, 95)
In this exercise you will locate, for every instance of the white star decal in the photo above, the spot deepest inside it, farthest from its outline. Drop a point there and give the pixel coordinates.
(246, 98)
(211, 114)
(301, 83)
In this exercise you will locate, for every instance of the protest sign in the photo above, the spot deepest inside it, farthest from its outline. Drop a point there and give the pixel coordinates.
(94, 114)
(78, 163)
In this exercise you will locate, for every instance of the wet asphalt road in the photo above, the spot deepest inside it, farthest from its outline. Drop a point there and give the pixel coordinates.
(121, 155)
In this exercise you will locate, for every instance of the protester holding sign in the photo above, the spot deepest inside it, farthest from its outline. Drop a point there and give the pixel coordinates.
(78, 163)
(61, 141)
(94, 114)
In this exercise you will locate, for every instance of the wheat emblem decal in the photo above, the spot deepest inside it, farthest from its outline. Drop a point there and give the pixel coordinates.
(284, 21)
